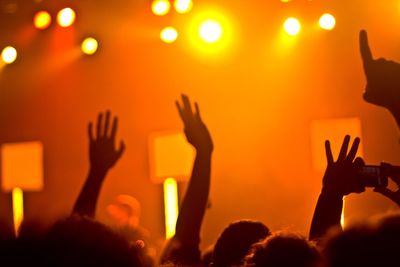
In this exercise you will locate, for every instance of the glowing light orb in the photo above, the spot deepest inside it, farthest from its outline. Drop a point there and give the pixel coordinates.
(327, 22)
(169, 35)
(42, 20)
(210, 31)
(160, 7)
(183, 6)
(292, 26)
(9, 55)
(66, 17)
(89, 46)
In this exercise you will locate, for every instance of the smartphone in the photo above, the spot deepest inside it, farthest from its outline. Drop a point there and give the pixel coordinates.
(373, 176)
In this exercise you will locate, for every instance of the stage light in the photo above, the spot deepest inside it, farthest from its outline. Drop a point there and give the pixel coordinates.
(9, 55)
(183, 6)
(42, 20)
(66, 17)
(160, 7)
(292, 26)
(89, 46)
(18, 208)
(210, 31)
(170, 206)
(327, 22)
(169, 35)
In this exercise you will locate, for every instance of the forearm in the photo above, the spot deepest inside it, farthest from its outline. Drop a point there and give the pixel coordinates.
(194, 204)
(87, 201)
(326, 215)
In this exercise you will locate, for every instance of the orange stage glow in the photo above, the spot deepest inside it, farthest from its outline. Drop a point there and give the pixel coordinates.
(42, 20)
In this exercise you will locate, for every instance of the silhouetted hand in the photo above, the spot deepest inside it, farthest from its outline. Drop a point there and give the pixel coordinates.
(341, 176)
(102, 151)
(394, 174)
(196, 131)
(383, 78)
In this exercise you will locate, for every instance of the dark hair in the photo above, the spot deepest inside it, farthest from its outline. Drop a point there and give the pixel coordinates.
(283, 249)
(235, 241)
(81, 241)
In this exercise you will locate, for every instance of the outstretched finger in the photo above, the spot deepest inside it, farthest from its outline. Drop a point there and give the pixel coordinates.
(365, 50)
(90, 132)
(121, 149)
(180, 111)
(107, 123)
(114, 128)
(353, 150)
(99, 125)
(196, 106)
(345, 146)
(187, 107)
(328, 151)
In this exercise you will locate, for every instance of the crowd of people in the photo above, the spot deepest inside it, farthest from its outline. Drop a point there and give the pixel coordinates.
(81, 240)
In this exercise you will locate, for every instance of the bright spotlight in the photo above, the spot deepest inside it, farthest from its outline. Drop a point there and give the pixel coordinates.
(210, 31)
(160, 7)
(42, 20)
(327, 22)
(9, 55)
(89, 46)
(183, 6)
(169, 35)
(292, 26)
(66, 17)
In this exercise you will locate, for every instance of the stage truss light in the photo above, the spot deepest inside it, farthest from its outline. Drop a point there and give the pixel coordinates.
(292, 26)
(9, 55)
(42, 20)
(169, 35)
(210, 31)
(327, 22)
(183, 6)
(66, 17)
(160, 7)
(89, 46)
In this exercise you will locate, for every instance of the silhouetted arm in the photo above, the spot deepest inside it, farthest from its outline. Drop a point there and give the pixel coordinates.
(193, 207)
(102, 156)
(383, 80)
(340, 179)
(394, 173)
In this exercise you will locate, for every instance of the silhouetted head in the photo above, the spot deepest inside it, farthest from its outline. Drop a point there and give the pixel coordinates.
(367, 245)
(235, 241)
(283, 249)
(78, 241)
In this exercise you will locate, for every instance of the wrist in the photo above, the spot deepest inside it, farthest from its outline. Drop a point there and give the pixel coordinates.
(331, 193)
(97, 171)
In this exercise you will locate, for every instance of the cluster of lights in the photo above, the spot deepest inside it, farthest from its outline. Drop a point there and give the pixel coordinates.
(65, 18)
(163, 7)
(292, 25)
(42, 20)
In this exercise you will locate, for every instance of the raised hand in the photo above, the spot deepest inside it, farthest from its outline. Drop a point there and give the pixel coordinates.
(102, 155)
(383, 78)
(394, 173)
(196, 131)
(341, 176)
(102, 150)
